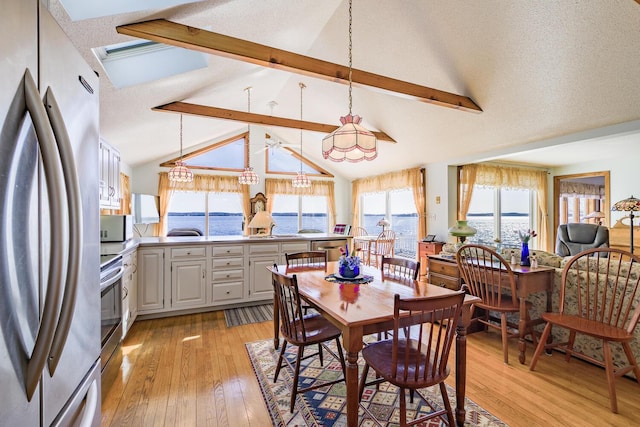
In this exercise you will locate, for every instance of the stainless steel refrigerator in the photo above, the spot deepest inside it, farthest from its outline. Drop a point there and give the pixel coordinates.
(49, 249)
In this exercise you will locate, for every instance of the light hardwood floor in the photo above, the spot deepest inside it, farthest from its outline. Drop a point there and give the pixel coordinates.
(194, 371)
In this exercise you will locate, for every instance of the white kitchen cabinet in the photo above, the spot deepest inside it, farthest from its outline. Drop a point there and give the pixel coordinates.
(262, 256)
(129, 291)
(109, 176)
(188, 284)
(227, 274)
(150, 280)
(290, 248)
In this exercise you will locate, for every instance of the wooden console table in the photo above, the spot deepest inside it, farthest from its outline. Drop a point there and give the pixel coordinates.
(444, 272)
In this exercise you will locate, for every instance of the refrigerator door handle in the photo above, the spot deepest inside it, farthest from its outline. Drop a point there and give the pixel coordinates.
(74, 202)
(90, 406)
(49, 156)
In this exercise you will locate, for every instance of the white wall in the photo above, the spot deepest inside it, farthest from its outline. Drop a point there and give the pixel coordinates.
(144, 178)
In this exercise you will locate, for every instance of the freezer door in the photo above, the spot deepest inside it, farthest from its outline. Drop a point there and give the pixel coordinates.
(74, 87)
(19, 272)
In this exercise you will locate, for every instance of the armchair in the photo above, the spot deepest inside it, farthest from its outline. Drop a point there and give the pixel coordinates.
(574, 238)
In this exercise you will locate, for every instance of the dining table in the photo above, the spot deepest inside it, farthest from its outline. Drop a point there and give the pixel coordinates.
(361, 309)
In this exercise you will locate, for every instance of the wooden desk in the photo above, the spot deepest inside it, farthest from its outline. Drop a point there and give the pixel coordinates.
(425, 249)
(528, 281)
(360, 310)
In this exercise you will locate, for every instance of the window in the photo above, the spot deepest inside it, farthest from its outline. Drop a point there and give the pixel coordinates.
(215, 214)
(399, 208)
(499, 213)
(292, 213)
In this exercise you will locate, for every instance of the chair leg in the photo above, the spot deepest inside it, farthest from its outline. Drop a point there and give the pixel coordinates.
(632, 360)
(505, 337)
(294, 392)
(541, 345)
(280, 359)
(572, 338)
(363, 380)
(403, 409)
(320, 354)
(344, 366)
(447, 405)
(611, 376)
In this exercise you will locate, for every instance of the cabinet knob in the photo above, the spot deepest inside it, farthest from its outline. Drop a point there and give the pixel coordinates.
(228, 263)
(228, 292)
(188, 253)
(228, 275)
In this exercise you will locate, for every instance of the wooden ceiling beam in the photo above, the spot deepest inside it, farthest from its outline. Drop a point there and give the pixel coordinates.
(258, 119)
(172, 33)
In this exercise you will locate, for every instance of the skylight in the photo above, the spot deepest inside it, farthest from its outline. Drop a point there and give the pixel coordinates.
(141, 61)
(85, 9)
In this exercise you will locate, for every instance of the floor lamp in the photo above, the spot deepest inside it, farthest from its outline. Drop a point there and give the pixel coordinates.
(630, 205)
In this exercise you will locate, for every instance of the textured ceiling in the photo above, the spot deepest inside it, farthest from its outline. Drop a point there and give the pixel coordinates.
(539, 70)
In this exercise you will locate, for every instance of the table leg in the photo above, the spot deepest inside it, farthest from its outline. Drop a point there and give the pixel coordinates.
(461, 364)
(352, 343)
(522, 329)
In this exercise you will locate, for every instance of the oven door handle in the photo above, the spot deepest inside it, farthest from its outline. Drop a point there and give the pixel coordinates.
(74, 206)
(104, 285)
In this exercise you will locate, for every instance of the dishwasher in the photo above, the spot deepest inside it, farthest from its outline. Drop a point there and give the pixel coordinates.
(331, 246)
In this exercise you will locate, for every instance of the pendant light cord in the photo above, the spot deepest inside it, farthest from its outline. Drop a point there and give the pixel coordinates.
(248, 89)
(350, 55)
(181, 137)
(302, 86)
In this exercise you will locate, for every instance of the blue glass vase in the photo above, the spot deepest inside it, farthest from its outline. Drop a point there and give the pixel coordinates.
(348, 273)
(524, 255)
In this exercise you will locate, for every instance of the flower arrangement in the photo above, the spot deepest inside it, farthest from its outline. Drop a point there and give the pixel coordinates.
(525, 237)
(349, 260)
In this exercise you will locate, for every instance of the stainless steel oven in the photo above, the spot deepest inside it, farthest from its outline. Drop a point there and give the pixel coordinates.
(111, 271)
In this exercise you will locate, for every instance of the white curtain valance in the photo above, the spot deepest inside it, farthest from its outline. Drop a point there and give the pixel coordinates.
(581, 190)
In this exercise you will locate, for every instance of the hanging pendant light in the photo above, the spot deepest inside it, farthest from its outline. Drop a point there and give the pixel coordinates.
(350, 142)
(301, 180)
(248, 176)
(180, 172)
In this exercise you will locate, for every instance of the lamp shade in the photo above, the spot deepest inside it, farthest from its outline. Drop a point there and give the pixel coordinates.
(248, 177)
(596, 214)
(350, 142)
(383, 223)
(180, 173)
(462, 229)
(627, 205)
(301, 180)
(262, 220)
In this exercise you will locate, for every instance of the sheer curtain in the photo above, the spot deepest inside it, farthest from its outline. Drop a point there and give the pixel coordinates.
(408, 178)
(273, 186)
(201, 183)
(506, 177)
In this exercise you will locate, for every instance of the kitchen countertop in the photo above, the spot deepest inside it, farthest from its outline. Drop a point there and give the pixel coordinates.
(132, 244)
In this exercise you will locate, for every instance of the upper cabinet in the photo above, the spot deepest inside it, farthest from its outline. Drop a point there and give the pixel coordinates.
(109, 176)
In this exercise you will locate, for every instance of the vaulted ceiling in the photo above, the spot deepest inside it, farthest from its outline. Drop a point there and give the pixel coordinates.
(538, 70)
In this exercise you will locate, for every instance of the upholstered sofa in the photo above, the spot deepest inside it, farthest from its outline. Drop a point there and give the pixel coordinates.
(586, 344)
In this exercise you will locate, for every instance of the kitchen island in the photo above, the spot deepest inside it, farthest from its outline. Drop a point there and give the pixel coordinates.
(179, 275)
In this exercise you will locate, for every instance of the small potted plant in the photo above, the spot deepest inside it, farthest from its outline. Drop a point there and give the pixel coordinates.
(349, 263)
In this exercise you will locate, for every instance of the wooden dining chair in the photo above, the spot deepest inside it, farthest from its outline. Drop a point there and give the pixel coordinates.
(489, 277)
(310, 259)
(399, 268)
(361, 245)
(382, 246)
(301, 331)
(603, 301)
(416, 363)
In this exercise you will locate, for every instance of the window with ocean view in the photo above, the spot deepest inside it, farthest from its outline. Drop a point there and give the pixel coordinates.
(215, 214)
(292, 213)
(399, 208)
(499, 213)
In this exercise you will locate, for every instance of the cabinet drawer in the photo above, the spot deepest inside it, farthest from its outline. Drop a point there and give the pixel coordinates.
(224, 263)
(189, 252)
(446, 268)
(231, 250)
(264, 249)
(444, 281)
(289, 248)
(228, 291)
(226, 275)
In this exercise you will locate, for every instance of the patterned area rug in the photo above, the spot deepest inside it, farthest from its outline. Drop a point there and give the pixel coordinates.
(327, 406)
(245, 315)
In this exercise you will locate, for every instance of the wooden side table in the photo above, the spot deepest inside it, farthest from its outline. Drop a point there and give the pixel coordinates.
(425, 249)
(444, 272)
